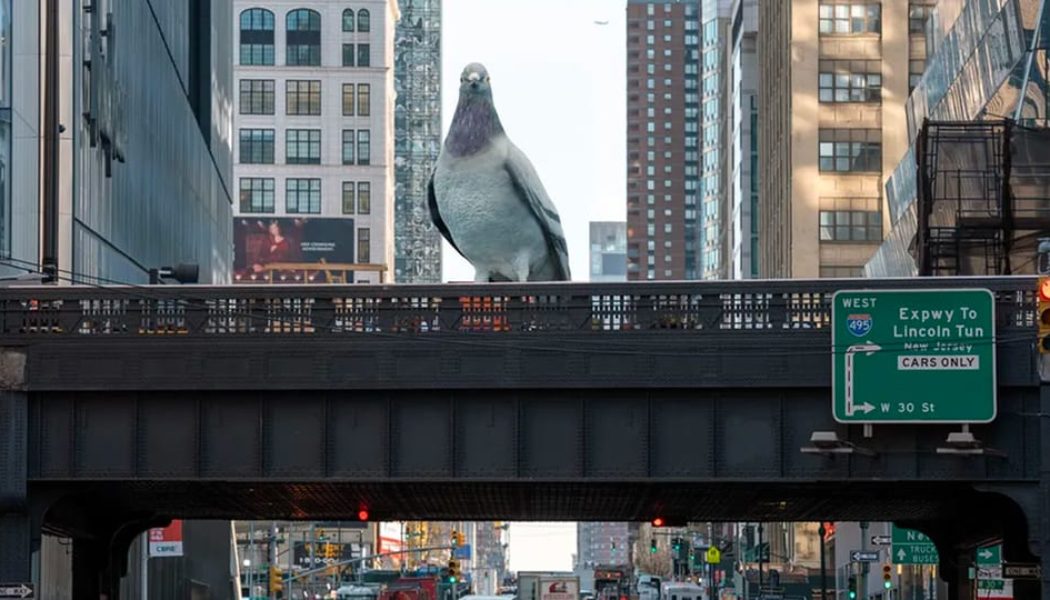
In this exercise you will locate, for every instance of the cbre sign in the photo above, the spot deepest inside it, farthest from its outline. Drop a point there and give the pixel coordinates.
(913, 356)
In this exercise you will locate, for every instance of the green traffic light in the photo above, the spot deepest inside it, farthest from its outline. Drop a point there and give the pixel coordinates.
(852, 594)
(452, 580)
(887, 584)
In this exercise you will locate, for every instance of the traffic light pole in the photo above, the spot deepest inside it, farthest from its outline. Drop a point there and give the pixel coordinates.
(823, 564)
(348, 562)
(273, 553)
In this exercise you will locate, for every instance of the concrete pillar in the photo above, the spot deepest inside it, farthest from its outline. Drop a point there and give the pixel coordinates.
(15, 521)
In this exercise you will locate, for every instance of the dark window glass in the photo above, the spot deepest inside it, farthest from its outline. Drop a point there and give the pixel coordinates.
(364, 55)
(364, 21)
(348, 55)
(256, 195)
(364, 99)
(850, 226)
(917, 15)
(348, 20)
(364, 245)
(303, 146)
(256, 96)
(302, 196)
(851, 156)
(348, 99)
(304, 38)
(256, 37)
(348, 146)
(348, 197)
(839, 272)
(364, 147)
(364, 198)
(256, 146)
(850, 87)
(302, 97)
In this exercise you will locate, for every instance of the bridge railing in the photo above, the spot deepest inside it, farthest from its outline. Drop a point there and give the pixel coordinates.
(603, 308)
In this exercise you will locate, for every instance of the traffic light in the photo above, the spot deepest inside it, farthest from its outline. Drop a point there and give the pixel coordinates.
(676, 543)
(453, 570)
(362, 515)
(1043, 300)
(652, 545)
(887, 576)
(658, 522)
(852, 587)
(454, 538)
(276, 581)
(461, 539)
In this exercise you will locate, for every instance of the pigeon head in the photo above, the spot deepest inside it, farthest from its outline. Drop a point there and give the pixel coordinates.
(475, 81)
(475, 122)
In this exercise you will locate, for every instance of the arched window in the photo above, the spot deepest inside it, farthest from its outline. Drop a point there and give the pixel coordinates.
(304, 37)
(256, 37)
(364, 21)
(348, 19)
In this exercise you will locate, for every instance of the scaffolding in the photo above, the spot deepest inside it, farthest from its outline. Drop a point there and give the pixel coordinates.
(983, 197)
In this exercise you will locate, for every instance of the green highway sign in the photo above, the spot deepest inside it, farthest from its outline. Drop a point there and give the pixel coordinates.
(911, 547)
(991, 584)
(989, 556)
(913, 356)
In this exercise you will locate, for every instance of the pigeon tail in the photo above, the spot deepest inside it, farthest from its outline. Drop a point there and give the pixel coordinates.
(473, 125)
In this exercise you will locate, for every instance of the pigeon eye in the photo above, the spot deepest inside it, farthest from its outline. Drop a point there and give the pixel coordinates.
(486, 79)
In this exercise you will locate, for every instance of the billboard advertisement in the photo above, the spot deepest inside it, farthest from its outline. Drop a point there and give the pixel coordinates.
(166, 541)
(326, 553)
(292, 250)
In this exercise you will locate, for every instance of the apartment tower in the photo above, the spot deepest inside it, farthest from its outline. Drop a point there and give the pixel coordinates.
(835, 78)
(663, 139)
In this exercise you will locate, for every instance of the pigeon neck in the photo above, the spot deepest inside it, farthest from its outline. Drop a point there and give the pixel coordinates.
(473, 125)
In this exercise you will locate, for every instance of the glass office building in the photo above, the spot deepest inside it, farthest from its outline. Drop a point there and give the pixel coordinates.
(988, 61)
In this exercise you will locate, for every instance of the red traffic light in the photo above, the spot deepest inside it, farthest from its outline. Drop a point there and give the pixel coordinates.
(1044, 289)
(362, 515)
(658, 522)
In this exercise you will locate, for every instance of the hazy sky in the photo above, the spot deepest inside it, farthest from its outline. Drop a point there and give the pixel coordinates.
(542, 546)
(559, 84)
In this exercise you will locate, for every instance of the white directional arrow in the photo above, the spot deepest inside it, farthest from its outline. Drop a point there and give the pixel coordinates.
(867, 408)
(986, 553)
(15, 591)
(901, 554)
(868, 349)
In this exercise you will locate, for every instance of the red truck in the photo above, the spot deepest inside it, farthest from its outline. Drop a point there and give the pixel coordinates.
(410, 588)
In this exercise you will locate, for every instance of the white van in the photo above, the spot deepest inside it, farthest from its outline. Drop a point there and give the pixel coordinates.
(680, 590)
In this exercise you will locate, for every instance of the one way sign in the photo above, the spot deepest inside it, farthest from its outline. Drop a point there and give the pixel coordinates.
(16, 590)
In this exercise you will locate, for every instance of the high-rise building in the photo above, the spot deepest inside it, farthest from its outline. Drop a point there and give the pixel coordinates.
(315, 154)
(715, 21)
(835, 78)
(982, 67)
(114, 173)
(742, 246)
(663, 139)
(608, 251)
(602, 543)
(417, 139)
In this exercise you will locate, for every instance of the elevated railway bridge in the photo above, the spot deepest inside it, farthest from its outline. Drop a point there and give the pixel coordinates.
(124, 407)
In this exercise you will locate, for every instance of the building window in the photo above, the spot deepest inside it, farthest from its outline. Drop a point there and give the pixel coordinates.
(348, 99)
(850, 81)
(364, 198)
(364, 245)
(364, 21)
(348, 197)
(348, 20)
(916, 68)
(840, 272)
(348, 146)
(303, 146)
(256, 147)
(348, 55)
(302, 97)
(850, 226)
(364, 99)
(850, 150)
(364, 147)
(256, 195)
(364, 55)
(917, 16)
(302, 196)
(256, 37)
(847, 19)
(257, 96)
(304, 38)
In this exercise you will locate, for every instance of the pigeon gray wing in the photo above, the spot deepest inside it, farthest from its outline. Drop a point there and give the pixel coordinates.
(435, 216)
(530, 190)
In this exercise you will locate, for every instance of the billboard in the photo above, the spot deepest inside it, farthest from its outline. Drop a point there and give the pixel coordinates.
(325, 554)
(166, 541)
(292, 250)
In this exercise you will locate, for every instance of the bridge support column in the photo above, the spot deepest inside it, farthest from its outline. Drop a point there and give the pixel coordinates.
(16, 530)
(1040, 524)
